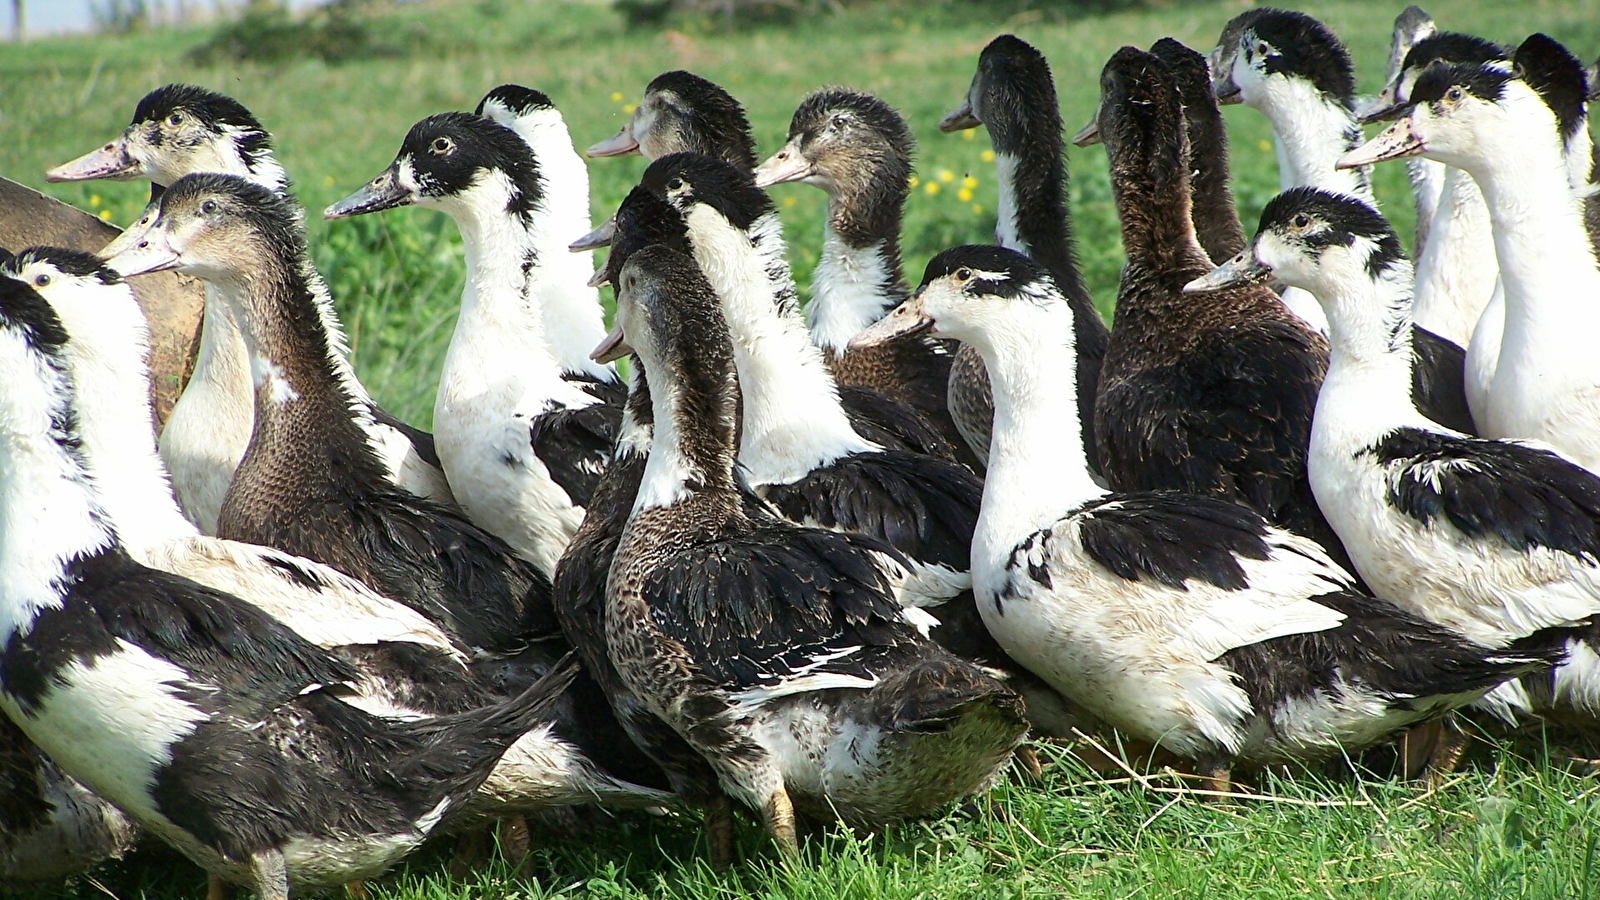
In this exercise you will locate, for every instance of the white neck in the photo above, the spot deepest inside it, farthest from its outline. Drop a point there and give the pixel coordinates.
(1038, 468)
(108, 363)
(792, 421)
(848, 291)
(574, 323)
(1006, 231)
(667, 472)
(1313, 131)
(1456, 270)
(48, 515)
(1427, 179)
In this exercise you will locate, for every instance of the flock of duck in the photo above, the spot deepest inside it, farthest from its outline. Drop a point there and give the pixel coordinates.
(837, 566)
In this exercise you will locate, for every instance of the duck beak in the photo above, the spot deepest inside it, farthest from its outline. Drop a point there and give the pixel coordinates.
(1395, 142)
(1382, 108)
(784, 166)
(1241, 270)
(141, 250)
(1225, 90)
(381, 193)
(612, 348)
(620, 144)
(111, 161)
(961, 118)
(906, 319)
(1089, 135)
(600, 237)
(600, 278)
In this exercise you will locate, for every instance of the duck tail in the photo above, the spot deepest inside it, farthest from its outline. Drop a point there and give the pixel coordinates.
(940, 691)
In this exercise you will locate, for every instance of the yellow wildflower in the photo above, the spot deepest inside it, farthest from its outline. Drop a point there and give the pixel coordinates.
(968, 134)
(616, 96)
(987, 156)
(627, 109)
(788, 202)
(977, 209)
(931, 188)
(1266, 146)
(94, 201)
(964, 195)
(969, 182)
(912, 182)
(946, 176)
(327, 181)
(105, 215)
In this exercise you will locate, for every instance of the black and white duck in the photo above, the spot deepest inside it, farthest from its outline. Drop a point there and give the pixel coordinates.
(178, 129)
(1209, 395)
(858, 149)
(1181, 619)
(798, 449)
(777, 651)
(1296, 72)
(1496, 540)
(682, 112)
(1013, 95)
(1510, 129)
(406, 666)
(212, 725)
(1411, 27)
(522, 444)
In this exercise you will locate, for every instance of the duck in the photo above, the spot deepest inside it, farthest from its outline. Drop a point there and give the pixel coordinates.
(1296, 72)
(798, 449)
(858, 149)
(681, 112)
(1208, 395)
(777, 651)
(1013, 95)
(1185, 620)
(522, 445)
(188, 708)
(178, 129)
(1495, 539)
(1411, 27)
(406, 666)
(1508, 129)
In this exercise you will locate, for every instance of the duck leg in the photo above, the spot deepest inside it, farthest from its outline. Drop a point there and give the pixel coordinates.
(1028, 759)
(270, 875)
(778, 816)
(1215, 775)
(356, 890)
(719, 831)
(515, 839)
(1447, 751)
(472, 851)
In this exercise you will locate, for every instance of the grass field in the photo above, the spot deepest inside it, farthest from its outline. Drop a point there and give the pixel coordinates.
(1512, 825)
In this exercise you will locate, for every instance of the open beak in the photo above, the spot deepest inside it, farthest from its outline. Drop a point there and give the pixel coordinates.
(142, 250)
(1089, 135)
(1241, 270)
(381, 193)
(620, 144)
(600, 237)
(906, 319)
(784, 166)
(1395, 142)
(110, 161)
(612, 348)
(960, 119)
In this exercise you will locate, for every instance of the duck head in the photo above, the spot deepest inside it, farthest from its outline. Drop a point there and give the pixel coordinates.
(222, 228)
(178, 129)
(1458, 114)
(966, 292)
(681, 112)
(844, 142)
(644, 219)
(461, 163)
(1448, 48)
(1012, 83)
(1263, 50)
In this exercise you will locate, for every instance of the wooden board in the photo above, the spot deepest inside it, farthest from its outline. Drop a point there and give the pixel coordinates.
(171, 302)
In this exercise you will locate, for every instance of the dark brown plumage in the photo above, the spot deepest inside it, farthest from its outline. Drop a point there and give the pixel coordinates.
(1211, 393)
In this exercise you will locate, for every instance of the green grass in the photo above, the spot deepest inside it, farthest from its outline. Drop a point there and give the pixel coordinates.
(1512, 826)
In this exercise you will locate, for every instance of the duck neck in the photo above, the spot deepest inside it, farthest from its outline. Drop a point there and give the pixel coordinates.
(859, 276)
(1456, 269)
(1032, 179)
(1367, 391)
(638, 418)
(311, 415)
(115, 423)
(693, 397)
(1038, 465)
(49, 518)
(573, 320)
(792, 420)
(1215, 218)
(499, 330)
(1313, 130)
(1150, 184)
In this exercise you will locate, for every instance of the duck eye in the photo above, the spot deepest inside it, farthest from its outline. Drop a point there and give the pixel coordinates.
(675, 184)
(441, 146)
(963, 274)
(41, 280)
(208, 207)
(836, 123)
(1262, 49)
(1454, 94)
(175, 119)
(1302, 220)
